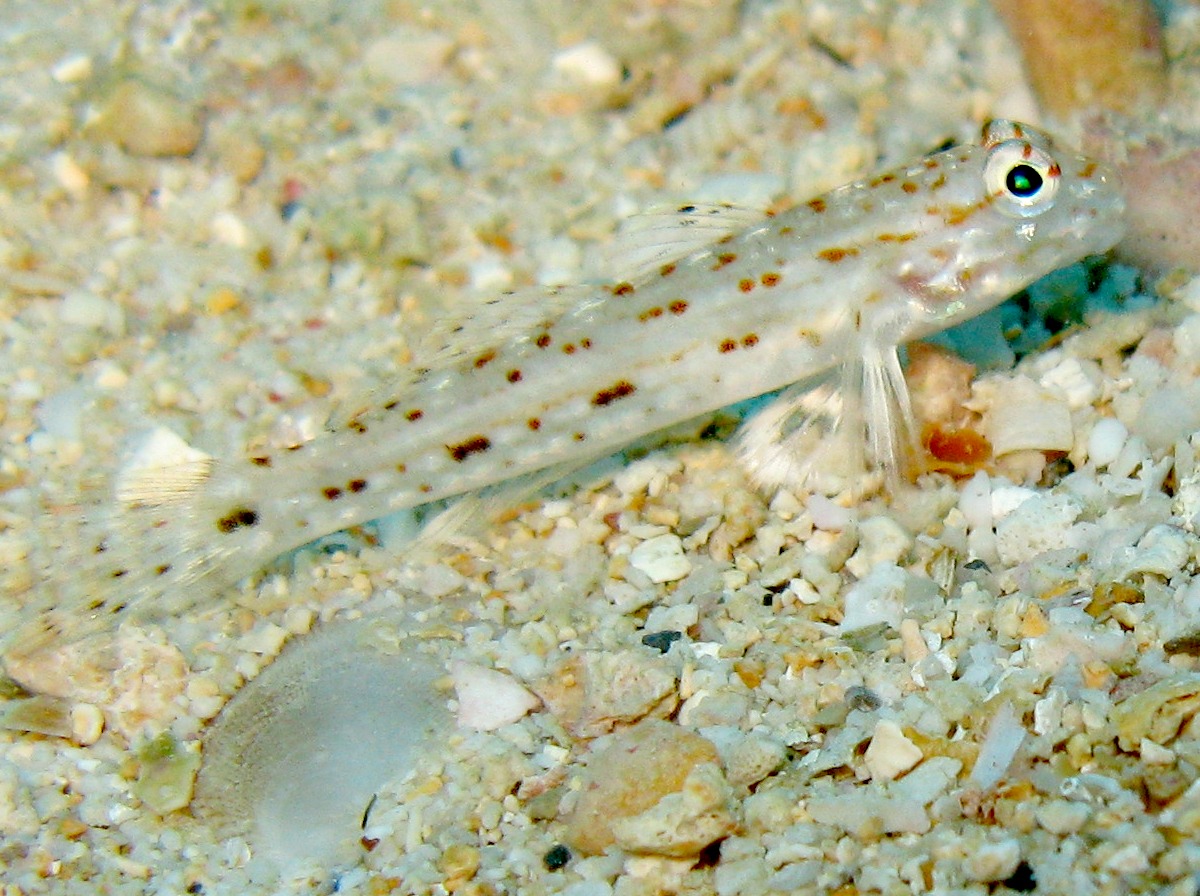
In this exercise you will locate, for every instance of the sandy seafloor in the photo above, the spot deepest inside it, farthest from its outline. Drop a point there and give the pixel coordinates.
(368, 167)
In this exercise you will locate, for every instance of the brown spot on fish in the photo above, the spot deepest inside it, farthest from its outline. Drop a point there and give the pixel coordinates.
(835, 254)
(619, 389)
(238, 518)
(473, 445)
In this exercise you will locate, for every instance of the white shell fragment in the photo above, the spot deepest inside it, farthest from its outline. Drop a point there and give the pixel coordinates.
(876, 598)
(1022, 415)
(488, 699)
(1004, 737)
(1042, 523)
(162, 470)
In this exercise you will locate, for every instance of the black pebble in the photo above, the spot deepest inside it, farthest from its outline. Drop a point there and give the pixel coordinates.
(556, 857)
(1023, 880)
(661, 641)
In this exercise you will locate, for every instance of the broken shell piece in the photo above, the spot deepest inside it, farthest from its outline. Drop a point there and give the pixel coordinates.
(1157, 713)
(488, 699)
(296, 755)
(1005, 734)
(38, 714)
(166, 773)
(1021, 415)
(163, 470)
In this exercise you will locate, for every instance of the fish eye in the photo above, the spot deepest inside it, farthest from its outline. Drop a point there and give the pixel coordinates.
(1021, 179)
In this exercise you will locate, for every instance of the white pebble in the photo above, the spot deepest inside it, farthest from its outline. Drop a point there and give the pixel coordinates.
(1007, 498)
(267, 639)
(1163, 551)
(828, 515)
(1187, 335)
(1004, 737)
(661, 558)
(672, 619)
(1154, 754)
(1077, 381)
(1169, 413)
(1188, 295)
(881, 539)
(228, 229)
(87, 724)
(72, 69)
(994, 861)
(588, 63)
(1106, 440)
(69, 174)
(890, 754)
(85, 309)
(1062, 817)
(879, 597)
(1128, 860)
(407, 56)
(109, 376)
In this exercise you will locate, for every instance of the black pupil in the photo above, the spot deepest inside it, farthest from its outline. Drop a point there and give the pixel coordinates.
(1023, 181)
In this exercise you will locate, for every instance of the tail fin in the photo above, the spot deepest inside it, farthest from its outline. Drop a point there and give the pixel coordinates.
(141, 547)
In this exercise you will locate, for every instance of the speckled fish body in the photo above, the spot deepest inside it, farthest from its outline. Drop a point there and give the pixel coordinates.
(879, 262)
